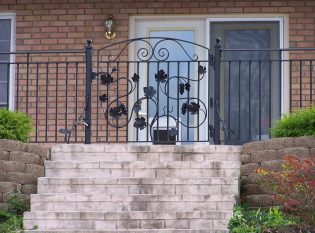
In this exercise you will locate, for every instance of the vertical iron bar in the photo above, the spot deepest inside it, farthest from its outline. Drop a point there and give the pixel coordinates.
(27, 79)
(301, 102)
(177, 114)
(17, 86)
(239, 100)
(66, 112)
(97, 101)
(188, 96)
(311, 82)
(270, 116)
(88, 90)
(249, 101)
(76, 99)
(168, 100)
(127, 102)
(158, 105)
(47, 85)
(8, 85)
(229, 105)
(217, 70)
(117, 97)
(148, 84)
(291, 86)
(36, 123)
(280, 83)
(107, 105)
(198, 97)
(259, 102)
(56, 105)
(137, 132)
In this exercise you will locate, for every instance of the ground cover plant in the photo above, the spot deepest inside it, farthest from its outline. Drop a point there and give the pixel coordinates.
(11, 220)
(246, 220)
(15, 126)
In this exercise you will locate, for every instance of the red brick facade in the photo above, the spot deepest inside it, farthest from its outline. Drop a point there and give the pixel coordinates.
(66, 24)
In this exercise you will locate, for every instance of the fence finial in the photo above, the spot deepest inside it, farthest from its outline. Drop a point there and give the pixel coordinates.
(89, 42)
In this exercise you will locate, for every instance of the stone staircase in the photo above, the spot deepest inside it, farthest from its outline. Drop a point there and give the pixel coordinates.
(129, 188)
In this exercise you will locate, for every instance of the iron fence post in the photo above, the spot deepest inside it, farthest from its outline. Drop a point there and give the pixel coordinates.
(88, 91)
(217, 87)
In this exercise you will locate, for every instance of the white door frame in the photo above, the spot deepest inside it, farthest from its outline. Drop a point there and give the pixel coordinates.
(158, 24)
(283, 42)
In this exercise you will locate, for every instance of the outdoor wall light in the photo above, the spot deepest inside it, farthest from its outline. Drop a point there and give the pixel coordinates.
(110, 25)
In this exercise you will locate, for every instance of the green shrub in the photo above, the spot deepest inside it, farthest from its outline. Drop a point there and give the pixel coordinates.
(15, 126)
(299, 123)
(247, 220)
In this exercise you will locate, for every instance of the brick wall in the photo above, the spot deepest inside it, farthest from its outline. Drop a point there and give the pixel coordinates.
(56, 24)
(20, 166)
(268, 155)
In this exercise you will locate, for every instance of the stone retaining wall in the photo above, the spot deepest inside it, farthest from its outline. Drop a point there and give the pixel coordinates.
(20, 166)
(268, 154)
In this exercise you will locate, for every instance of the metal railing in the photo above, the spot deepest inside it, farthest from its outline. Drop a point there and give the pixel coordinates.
(161, 91)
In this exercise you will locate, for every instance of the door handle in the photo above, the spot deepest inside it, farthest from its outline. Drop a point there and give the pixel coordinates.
(142, 114)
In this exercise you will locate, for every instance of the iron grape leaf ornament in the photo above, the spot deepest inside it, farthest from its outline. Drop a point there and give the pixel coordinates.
(137, 106)
(135, 78)
(139, 123)
(201, 69)
(149, 92)
(161, 76)
(181, 88)
(192, 107)
(106, 79)
(103, 98)
(115, 113)
(184, 108)
(123, 109)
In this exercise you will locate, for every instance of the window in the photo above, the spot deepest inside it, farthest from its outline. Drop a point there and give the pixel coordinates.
(7, 44)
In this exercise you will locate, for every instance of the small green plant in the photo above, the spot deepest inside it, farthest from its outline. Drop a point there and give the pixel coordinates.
(11, 220)
(247, 220)
(15, 125)
(299, 123)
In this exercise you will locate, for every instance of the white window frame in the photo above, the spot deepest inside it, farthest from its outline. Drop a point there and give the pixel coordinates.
(11, 16)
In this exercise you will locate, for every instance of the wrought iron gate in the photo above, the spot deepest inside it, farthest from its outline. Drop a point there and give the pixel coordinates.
(153, 89)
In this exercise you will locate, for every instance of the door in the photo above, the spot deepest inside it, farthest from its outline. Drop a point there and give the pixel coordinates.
(168, 120)
(251, 80)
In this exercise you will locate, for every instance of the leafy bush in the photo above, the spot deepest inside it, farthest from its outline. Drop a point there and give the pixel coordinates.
(294, 186)
(11, 220)
(299, 123)
(247, 220)
(15, 126)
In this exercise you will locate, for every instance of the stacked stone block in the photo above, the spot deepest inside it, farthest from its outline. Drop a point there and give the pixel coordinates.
(20, 166)
(269, 155)
(130, 188)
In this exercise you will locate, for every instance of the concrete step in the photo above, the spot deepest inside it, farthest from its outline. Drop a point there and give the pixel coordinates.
(126, 220)
(208, 230)
(175, 187)
(143, 165)
(137, 204)
(131, 148)
(83, 197)
(135, 156)
(141, 173)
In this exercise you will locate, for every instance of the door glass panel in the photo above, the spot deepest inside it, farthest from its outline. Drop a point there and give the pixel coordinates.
(176, 65)
(251, 79)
